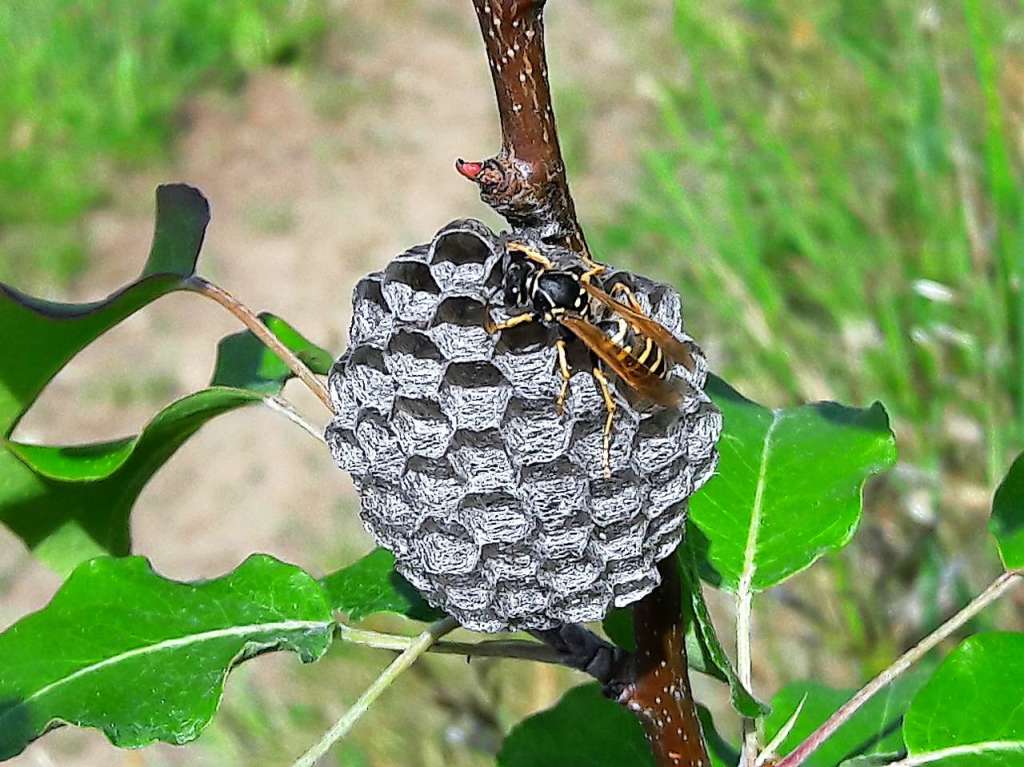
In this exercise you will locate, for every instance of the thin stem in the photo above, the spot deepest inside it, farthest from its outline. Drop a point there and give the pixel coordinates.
(249, 318)
(419, 646)
(744, 668)
(996, 589)
(520, 650)
(285, 408)
(969, 749)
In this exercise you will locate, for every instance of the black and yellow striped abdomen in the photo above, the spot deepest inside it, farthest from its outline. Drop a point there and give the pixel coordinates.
(632, 345)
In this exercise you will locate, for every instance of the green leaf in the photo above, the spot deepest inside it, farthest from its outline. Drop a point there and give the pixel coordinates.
(874, 729)
(371, 585)
(712, 653)
(71, 503)
(1007, 522)
(970, 714)
(40, 337)
(143, 658)
(704, 651)
(584, 729)
(788, 485)
(244, 362)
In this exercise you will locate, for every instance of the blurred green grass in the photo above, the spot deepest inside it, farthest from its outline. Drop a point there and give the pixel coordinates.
(93, 87)
(836, 189)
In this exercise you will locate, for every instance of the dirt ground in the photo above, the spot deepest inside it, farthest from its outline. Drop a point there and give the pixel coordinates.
(315, 178)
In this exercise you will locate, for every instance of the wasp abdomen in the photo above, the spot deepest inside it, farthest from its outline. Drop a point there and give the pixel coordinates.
(635, 346)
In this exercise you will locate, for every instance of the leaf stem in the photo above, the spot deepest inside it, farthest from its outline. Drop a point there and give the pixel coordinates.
(287, 409)
(409, 656)
(249, 318)
(996, 589)
(521, 650)
(744, 666)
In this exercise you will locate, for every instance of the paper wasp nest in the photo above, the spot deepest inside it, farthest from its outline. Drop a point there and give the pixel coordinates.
(496, 507)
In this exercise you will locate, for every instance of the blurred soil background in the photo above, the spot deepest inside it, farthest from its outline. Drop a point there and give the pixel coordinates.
(834, 187)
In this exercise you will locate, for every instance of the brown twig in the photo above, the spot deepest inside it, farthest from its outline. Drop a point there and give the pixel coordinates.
(659, 691)
(526, 181)
(249, 318)
(995, 590)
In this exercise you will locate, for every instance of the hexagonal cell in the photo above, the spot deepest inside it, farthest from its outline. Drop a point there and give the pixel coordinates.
(616, 499)
(371, 315)
(431, 485)
(372, 385)
(668, 309)
(703, 430)
(346, 451)
(474, 395)
(703, 472)
(518, 601)
(467, 592)
(384, 455)
(459, 255)
(668, 486)
(562, 578)
(621, 540)
(343, 396)
(504, 563)
(422, 429)
(442, 553)
(531, 371)
(568, 542)
(582, 606)
(584, 400)
(494, 518)
(416, 364)
(666, 530)
(627, 569)
(486, 621)
(457, 329)
(384, 506)
(534, 432)
(628, 592)
(553, 494)
(658, 441)
(480, 459)
(410, 291)
(586, 446)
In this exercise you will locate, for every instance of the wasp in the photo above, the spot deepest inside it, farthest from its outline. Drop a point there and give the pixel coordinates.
(620, 336)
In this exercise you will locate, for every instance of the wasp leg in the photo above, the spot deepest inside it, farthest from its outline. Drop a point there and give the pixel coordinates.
(627, 291)
(610, 406)
(521, 319)
(532, 254)
(563, 368)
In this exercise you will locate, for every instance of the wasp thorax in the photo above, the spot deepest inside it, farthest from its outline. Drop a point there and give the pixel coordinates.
(500, 506)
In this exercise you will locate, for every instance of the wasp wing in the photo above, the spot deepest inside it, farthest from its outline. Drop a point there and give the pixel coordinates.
(623, 364)
(671, 346)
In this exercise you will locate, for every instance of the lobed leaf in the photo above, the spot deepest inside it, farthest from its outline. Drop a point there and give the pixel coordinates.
(970, 714)
(143, 658)
(584, 729)
(873, 730)
(40, 337)
(1007, 522)
(788, 485)
(70, 503)
(371, 585)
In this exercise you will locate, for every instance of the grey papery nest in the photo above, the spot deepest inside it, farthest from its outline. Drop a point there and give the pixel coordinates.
(497, 507)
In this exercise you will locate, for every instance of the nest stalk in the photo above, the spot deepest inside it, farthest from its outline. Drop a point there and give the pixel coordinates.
(526, 183)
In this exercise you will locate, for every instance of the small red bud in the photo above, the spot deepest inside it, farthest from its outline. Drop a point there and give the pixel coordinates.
(469, 169)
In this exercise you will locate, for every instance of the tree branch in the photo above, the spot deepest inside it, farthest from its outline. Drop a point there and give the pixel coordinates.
(525, 182)
(659, 688)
